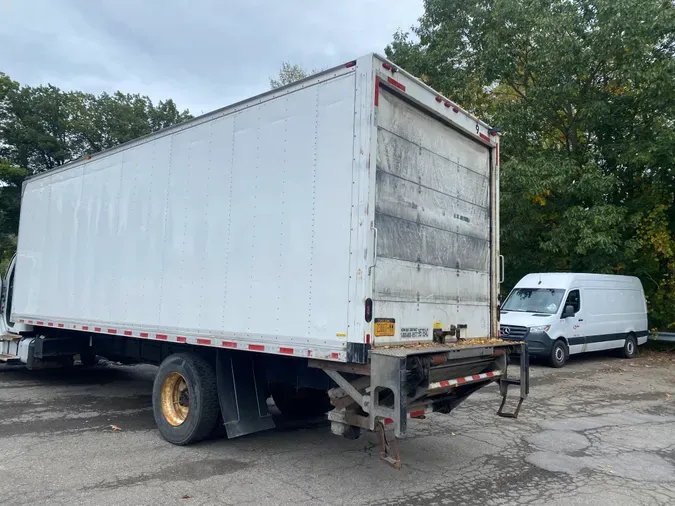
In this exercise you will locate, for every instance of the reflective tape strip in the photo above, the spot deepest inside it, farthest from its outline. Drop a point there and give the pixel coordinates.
(219, 342)
(466, 379)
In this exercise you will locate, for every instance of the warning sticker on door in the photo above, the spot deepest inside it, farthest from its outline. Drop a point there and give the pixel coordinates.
(414, 333)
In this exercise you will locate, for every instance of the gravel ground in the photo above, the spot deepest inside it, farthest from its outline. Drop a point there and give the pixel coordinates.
(600, 431)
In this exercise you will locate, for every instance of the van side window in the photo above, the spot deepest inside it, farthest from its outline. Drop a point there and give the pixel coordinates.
(574, 300)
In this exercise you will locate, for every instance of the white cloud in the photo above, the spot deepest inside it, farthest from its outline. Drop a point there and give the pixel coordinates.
(202, 53)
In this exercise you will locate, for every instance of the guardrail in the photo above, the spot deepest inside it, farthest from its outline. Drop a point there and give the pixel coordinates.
(666, 337)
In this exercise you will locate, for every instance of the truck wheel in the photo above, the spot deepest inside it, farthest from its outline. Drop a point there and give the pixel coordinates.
(301, 402)
(185, 399)
(558, 356)
(630, 347)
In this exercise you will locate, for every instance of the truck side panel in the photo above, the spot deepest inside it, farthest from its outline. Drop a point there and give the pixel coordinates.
(235, 227)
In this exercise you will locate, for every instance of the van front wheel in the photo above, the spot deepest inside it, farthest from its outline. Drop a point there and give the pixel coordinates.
(630, 347)
(558, 356)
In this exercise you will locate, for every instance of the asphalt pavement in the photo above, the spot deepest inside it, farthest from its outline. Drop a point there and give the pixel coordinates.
(601, 431)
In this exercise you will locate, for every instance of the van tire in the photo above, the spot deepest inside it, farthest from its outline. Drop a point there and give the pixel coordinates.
(203, 409)
(559, 354)
(629, 349)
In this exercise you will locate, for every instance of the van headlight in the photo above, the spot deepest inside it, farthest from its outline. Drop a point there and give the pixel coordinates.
(540, 328)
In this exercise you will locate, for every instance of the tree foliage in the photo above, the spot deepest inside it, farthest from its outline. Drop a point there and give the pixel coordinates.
(44, 127)
(584, 91)
(288, 73)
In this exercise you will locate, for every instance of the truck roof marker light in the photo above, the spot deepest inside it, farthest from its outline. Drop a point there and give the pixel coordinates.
(369, 310)
(439, 99)
(386, 65)
(455, 109)
(351, 64)
(447, 104)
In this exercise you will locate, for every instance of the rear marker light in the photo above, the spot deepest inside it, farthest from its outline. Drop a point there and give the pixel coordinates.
(369, 310)
(386, 65)
(351, 64)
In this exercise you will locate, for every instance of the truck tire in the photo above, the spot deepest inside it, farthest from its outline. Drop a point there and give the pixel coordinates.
(298, 403)
(629, 349)
(559, 354)
(185, 399)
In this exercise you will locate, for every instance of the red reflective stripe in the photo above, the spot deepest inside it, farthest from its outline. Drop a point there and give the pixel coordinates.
(128, 332)
(334, 355)
(111, 331)
(60, 325)
(445, 383)
(144, 334)
(40, 323)
(181, 339)
(50, 324)
(97, 329)
(286, 351)
(476, 376)
(30, 321)
(203, 341)
(377, 91)
(85, 327)
(489, 374)
(395, 83)
(484, 137)
(256, 347)
(415, 414)
(229, 344)
(21, 321)
(161, 337)
(461, 380)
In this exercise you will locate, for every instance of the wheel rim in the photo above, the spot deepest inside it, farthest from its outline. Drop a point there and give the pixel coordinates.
(175, 399)
(559, 354)
(630, 347)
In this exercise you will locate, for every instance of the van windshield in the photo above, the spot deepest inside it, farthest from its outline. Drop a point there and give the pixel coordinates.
(534, 300)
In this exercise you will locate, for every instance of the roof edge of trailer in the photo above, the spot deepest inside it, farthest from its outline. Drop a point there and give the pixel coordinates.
(325, 75)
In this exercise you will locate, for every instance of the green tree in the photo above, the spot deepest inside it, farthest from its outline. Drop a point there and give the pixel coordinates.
(585, 93)
(288, 73)
(44, 127)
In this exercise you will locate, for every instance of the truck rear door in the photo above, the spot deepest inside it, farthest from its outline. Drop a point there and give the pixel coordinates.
(432, 216)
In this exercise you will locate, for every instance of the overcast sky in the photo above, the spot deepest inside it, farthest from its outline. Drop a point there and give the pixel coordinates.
(204, 54)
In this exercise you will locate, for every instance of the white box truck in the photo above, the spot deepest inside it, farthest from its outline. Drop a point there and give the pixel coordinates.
(333, 243)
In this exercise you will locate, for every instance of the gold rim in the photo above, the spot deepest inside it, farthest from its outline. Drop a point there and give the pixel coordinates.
(175, 399)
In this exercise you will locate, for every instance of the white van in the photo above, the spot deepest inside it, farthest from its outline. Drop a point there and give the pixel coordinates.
(560, 314)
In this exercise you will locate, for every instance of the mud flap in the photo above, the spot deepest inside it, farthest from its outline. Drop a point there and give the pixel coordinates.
(242, 393)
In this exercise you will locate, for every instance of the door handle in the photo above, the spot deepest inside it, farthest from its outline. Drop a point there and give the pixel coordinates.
(581, 319)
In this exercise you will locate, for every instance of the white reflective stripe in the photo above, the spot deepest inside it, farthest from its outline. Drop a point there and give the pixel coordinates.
(466, 379)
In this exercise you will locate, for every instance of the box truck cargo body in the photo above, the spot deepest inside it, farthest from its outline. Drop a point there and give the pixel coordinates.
(346, 219)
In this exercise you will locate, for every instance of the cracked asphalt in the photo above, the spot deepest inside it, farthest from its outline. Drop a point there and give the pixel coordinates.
(600, 431)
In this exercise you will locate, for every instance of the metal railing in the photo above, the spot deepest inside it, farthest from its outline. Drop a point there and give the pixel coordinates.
(666, 337)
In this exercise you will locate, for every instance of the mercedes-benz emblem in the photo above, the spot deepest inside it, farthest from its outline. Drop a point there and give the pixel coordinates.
(506, 331)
